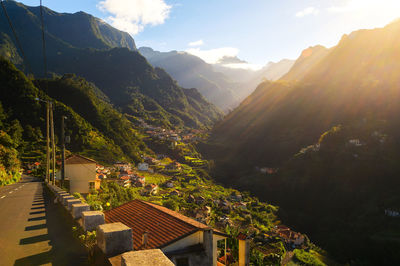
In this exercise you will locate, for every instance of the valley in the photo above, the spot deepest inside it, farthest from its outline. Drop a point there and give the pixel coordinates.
(298, 158)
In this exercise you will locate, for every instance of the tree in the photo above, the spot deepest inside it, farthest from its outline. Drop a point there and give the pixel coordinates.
(171, 204)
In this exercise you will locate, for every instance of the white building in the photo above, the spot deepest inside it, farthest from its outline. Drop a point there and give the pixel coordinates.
(81, 174)
(143, 167)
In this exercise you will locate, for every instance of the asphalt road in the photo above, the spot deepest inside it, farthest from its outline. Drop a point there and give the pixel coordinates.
(34, 230)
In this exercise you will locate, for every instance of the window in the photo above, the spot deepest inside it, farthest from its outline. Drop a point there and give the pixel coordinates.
(182, 262)
(91, 185)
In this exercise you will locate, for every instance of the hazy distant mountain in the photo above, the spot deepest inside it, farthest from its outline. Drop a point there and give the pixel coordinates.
(307, 60)
(274, 71)
(82, 44)
(249, 78)
(192, 72)
(220, 83)
(271, 71)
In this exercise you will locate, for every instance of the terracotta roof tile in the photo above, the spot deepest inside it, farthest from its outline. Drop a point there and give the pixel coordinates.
(241, 236)
(163, 225)
(78, 159)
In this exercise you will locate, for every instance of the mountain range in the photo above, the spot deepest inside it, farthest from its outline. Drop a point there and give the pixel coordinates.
(192, 72)
(221, 84)
(320, 137)
(327, 134)
(82, 44)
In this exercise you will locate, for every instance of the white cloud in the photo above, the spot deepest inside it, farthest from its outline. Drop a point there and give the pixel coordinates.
(133, 15)
(212, 56)
(196, 43)
(307, 11)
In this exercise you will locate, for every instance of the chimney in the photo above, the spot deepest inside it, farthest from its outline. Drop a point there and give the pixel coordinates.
(244, 249)
(145, 238)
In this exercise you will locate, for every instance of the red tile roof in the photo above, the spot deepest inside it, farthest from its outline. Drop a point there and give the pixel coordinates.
(241, 236)
(163, 225)
(78, 159)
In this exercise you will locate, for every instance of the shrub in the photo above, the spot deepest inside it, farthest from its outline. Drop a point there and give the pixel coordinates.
(170, 204)
(77, 195)
(307, 258)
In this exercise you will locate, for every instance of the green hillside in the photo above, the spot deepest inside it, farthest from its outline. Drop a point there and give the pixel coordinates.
(10, 139)
(75, 43)
(333, 189)
(18, 97)
(90, 103)
(137, 88)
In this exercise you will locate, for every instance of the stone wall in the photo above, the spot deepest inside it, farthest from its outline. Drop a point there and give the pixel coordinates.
(113, 239)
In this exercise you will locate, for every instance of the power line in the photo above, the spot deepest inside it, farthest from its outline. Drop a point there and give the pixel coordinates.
(16, 37)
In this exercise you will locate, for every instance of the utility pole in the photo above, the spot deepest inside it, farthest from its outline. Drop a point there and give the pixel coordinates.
(62, 151)
(53, 143)
(47, 142)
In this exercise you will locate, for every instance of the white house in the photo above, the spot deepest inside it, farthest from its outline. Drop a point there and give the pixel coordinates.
(143, 167)
(183, 240)
(392, 213)
(175, 137)
(81, 173)
(169, 184)
(356, 142)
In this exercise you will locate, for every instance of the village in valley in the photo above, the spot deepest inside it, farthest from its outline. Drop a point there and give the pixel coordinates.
(185, 187)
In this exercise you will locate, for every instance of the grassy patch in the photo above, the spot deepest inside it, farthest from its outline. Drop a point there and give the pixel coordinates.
(307, 258)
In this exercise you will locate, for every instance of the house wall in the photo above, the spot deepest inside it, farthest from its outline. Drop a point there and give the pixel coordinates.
(242, 249)
(194, 259)
(193, 239)
(143, 166)
(244, 252)
(79, 176)
(299, 240)
(97, 184)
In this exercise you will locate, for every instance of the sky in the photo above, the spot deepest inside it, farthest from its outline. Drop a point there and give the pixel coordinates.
(257, 31)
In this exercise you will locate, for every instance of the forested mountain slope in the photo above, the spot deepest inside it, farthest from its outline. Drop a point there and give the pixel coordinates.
(351, 82)
(79, 30)
(84, 48)
(97, 127)
(338, 185)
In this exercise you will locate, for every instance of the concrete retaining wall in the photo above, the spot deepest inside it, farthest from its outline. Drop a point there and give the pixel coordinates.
(113, 239)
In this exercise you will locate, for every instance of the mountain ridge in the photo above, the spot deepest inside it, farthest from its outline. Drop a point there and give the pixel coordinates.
(140, 89)
(222, 85)
(328, 133)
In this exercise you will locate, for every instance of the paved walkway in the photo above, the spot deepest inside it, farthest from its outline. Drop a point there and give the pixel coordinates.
(34, 230)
